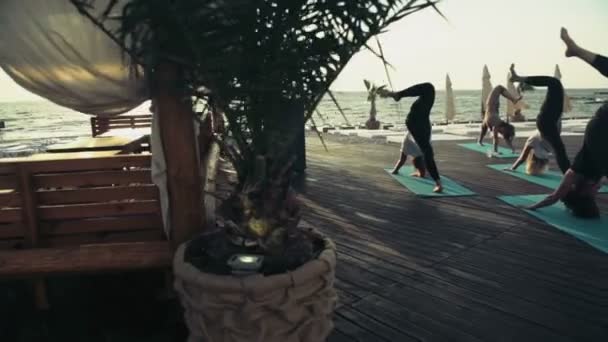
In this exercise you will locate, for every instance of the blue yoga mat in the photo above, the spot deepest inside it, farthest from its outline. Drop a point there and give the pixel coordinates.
(424, 186)
(503, 152)
(549, 179)
(593, 232)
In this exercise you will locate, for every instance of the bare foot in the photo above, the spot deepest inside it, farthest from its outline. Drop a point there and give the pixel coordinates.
(416, 174)
(438, 188)
(571, 47)
(514, 76)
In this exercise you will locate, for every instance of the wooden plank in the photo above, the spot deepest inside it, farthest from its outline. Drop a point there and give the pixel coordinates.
(120, 117)
(104, 238)
(134, 126)
(11, 230)
(178, 139)
(92, 144)
(8, 182)
(92, 164)
(124, 121)
(85, 259)
(103, 224)
(93, 178)
(96, 195)
(6, 168)
(98, 210)
(10, 199)
(10, 215)
(147, 120)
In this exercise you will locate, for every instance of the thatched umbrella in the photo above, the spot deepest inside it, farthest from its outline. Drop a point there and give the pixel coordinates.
(450, 109)
(486, 88)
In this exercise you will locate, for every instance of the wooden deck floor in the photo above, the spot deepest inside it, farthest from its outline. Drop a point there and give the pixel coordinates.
(462, 269)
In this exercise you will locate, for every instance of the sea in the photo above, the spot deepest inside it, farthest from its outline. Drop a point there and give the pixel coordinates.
(32, 126)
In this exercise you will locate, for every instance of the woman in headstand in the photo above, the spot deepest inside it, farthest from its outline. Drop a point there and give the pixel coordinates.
(582, 181)
(548, 120)
(419, 125)
(493, 121)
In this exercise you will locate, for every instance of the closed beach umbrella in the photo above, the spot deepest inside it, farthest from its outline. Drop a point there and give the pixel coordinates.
(511, 89)
(450, 110)
(486, 88)
(567, 104)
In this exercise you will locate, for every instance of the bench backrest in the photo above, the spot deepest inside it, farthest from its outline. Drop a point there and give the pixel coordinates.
(100, 125)
(71, 202)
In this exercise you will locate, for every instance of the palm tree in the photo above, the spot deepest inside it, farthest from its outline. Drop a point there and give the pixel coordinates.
(267, 64)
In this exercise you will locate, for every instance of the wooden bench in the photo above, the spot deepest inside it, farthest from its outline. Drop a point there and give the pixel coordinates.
(101, 125)
(78, 216)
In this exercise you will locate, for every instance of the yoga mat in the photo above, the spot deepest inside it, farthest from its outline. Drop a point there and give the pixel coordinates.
(549, 179)
(424, 186)
(504, 152)
(593, 232)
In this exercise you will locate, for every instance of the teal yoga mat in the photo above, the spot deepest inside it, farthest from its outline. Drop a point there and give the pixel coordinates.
(504, 152)
(593, 232)
(549, 179)
(424, 186)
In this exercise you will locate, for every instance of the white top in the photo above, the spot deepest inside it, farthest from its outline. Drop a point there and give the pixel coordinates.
(541, 148)
(409, 146)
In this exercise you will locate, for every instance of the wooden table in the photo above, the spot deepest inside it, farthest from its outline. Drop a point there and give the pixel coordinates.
(60, 156)
(111, 143)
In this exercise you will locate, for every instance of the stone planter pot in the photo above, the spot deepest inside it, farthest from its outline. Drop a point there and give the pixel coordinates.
(291, 307)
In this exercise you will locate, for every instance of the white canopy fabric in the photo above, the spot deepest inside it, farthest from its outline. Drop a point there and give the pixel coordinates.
(450, 108)
(486, 88)
(50, 49)
(567, 103)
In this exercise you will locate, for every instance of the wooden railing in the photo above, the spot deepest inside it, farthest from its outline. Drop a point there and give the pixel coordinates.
(101, 125)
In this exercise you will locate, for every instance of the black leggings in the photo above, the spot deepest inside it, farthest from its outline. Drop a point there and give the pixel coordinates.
(548, 120)
(600, 63)
(419, 124)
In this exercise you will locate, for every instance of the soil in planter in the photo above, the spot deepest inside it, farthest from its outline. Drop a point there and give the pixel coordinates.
(210, 253)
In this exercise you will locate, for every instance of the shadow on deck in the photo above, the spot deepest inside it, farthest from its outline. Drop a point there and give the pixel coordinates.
(464, 268)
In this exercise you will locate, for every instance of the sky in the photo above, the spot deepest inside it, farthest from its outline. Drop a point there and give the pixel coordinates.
(424, 47)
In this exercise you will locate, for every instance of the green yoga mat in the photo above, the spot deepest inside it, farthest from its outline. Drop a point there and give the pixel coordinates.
(504, 152)
(549, 179)
(593, 232)
(424, 186)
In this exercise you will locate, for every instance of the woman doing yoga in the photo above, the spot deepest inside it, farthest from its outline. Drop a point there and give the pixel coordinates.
(583, 179)
(548, 120)
(419, 126)
(493, 121)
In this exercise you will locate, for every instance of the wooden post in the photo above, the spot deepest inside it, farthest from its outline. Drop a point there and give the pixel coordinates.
(179, 145)
(30, 218)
